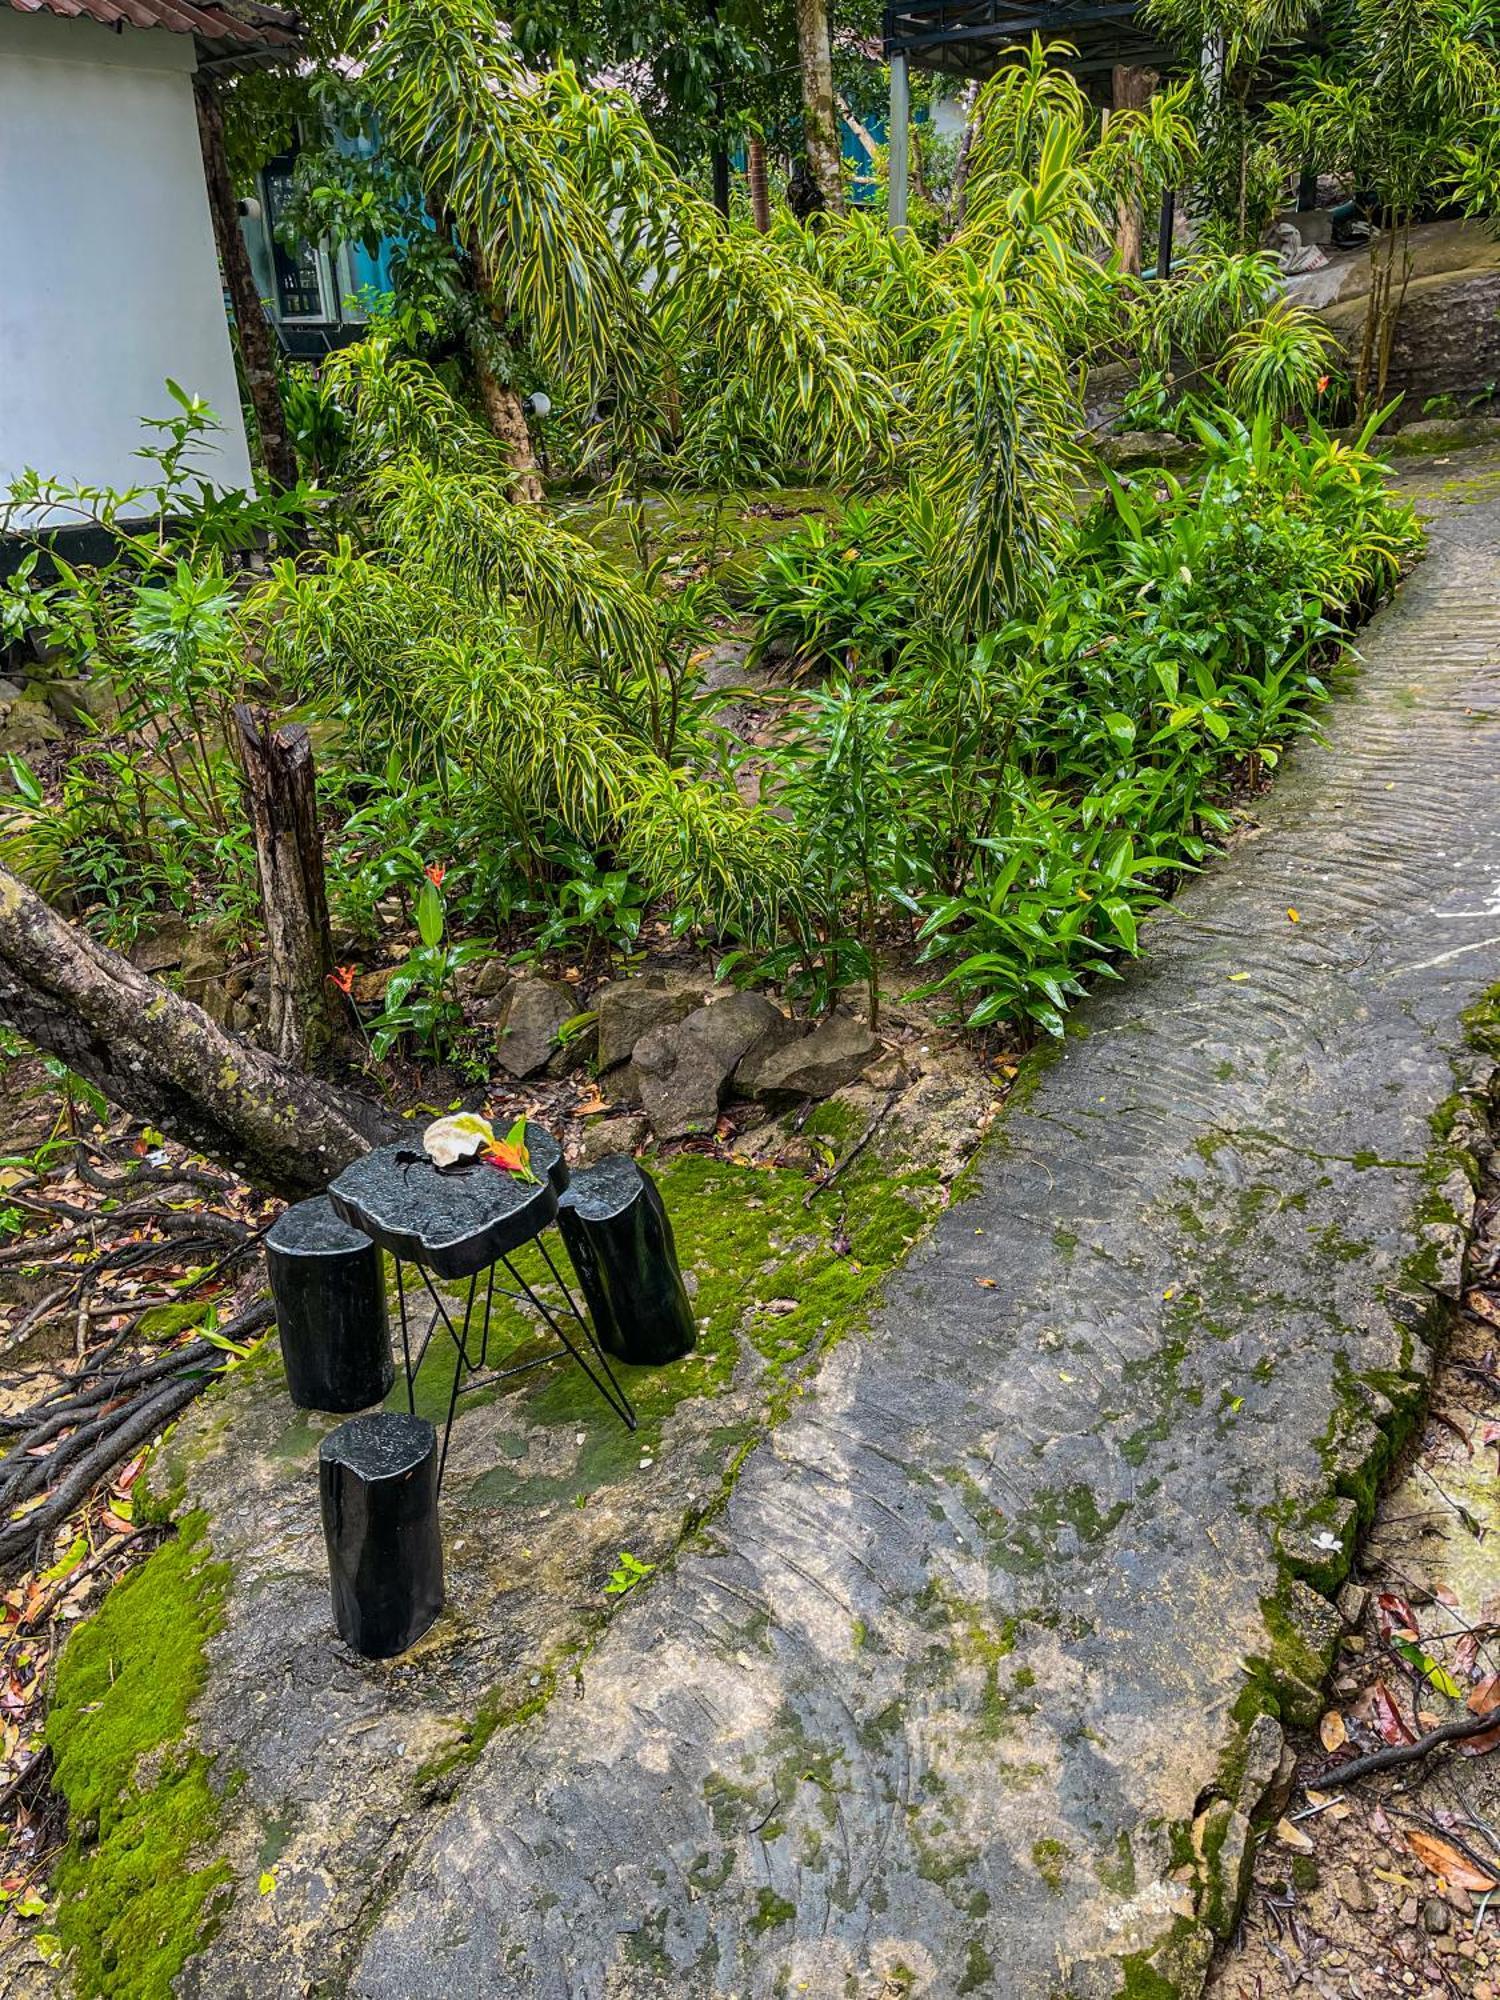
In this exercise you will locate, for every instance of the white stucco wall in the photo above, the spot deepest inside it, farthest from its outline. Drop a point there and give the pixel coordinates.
(109, 281)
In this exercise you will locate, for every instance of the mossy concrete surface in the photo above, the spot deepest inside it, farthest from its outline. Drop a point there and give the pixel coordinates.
(279, 1813)
(975, 1683)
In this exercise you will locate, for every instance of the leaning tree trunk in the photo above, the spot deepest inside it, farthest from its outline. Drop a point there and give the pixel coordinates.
(820, 126)
(159, 1056)
(257, 342)
(281, 798)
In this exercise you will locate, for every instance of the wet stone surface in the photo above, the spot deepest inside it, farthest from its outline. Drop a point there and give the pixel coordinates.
(329, 1766)
(934, 1708)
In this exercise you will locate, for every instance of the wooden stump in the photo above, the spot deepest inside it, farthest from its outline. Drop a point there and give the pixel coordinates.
(1132, 89)
(281, 796)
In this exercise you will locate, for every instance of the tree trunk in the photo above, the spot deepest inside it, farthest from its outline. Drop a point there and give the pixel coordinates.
(160, 1057)
(1132, 92)
(755, 164)
(958, 196)
(820, 125)
(281, 794)
(502, 406)
(257, 342)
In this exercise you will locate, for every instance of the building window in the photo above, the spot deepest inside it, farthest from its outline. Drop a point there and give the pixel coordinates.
(304, 283)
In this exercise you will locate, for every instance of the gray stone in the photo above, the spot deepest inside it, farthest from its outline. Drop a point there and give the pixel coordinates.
(817, 1065)
(162, 947)
(779, 1033)
(1225, 1851)
(1264, 1743)
(484, 979)
(535, 1011)
(1128, 448)
(630, 1009)
(82, 703)
(681, 1083)
(1353, 1891)
(729, 1029)
(1353, 1602)
(605, 1136)
(685, 1067)
(1437, 1918)
(28, 724)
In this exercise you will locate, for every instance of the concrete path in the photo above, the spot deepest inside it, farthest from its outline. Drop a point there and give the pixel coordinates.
(935, 1707)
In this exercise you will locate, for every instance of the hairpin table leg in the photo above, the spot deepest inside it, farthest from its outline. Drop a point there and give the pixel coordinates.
(613, 1394)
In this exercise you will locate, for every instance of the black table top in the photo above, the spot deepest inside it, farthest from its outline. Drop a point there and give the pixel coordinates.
(455, 1220)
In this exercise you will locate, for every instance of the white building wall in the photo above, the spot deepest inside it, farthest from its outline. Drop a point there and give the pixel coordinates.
(109, 282)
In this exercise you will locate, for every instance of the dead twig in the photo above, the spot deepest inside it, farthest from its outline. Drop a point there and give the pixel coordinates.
(1397, 1754)
(857, 1148)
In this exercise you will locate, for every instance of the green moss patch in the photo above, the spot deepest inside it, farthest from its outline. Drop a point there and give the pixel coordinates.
(135, 1891)
(766, 1270)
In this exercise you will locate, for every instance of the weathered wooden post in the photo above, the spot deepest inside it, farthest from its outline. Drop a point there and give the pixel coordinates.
(281, 798)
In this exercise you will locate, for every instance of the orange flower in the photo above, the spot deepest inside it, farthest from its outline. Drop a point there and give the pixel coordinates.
(435, 871)
(343, 978)
(509, 1159)
(1323, 381)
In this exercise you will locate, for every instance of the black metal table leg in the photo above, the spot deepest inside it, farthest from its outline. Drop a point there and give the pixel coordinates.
(614, 1395)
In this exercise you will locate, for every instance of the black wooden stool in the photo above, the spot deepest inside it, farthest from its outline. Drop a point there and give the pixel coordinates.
(378, 1477)
(618, 1234)
(330, 1309)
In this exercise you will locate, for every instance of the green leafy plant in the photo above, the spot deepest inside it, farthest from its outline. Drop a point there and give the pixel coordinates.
(628, 1571)
(419, 1003)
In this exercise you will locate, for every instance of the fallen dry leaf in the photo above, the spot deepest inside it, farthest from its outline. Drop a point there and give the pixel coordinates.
(1331, 1731)
(989, 1284)
(1387, 1717)
(1441, 1857)
(1395, 1615)
(1476, 1746)
(1484, 1699)
(1291, 1835)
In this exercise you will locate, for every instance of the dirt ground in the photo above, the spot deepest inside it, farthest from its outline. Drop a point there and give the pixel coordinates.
(1391, 1885)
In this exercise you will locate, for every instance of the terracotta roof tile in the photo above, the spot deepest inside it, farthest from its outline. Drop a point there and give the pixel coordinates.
(226, 26)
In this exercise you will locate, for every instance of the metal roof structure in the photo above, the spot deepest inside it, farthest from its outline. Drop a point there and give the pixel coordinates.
(225, 30)
(971, 38)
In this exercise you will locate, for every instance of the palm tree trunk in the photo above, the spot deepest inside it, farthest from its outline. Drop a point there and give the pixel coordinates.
(819, 114)
(256, 341)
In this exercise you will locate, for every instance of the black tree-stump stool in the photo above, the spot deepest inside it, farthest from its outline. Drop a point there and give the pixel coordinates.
(330, 1309)
(467, 1222)
(618, 1235)
(378, 1478)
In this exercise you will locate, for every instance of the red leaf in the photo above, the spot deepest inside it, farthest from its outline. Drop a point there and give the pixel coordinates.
(1388, 1717)
(1395, 1615)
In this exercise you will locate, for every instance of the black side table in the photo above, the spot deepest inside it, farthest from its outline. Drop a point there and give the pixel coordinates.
(467, 1222)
